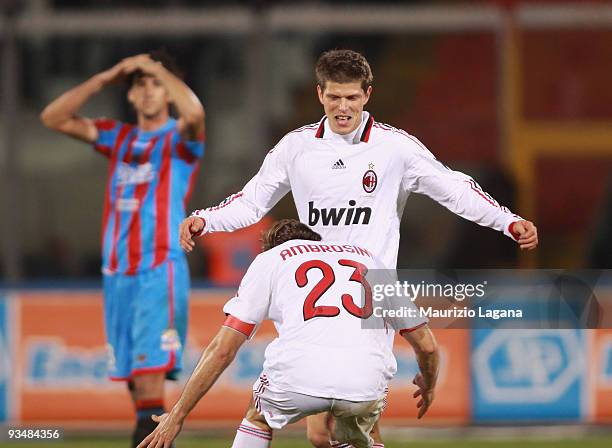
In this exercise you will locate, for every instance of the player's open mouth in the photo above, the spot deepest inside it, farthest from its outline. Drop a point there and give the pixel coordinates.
(342, 118)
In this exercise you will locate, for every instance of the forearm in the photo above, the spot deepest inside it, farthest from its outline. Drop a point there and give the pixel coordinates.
(428, 365)
(461, 195)
(68, 104)
(249, 205)
(425, 346)
(188, 106)
(244, 208)
(213, 362)
(476, 205)
(228, 218)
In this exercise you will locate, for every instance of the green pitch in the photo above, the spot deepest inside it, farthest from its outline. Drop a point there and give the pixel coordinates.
(203, 442)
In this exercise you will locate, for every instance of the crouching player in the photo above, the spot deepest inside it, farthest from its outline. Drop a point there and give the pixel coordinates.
(313, 292)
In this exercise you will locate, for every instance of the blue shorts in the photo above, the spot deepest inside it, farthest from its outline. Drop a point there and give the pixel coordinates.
(145, 316)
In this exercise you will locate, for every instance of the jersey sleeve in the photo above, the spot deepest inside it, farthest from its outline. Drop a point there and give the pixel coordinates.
(194, 147)
(108, 130)
(456, 191)
(187, 150)
(258, 196)
(251, 303)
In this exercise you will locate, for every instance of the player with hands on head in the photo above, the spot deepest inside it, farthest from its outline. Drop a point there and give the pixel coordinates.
(152, 170)
(283, 284)
(350, 177)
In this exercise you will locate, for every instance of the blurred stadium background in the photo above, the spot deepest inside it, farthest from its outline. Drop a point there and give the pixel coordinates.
(515, 93)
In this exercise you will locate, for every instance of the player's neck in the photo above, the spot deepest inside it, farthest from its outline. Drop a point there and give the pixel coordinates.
(349, 137)
(152, 123)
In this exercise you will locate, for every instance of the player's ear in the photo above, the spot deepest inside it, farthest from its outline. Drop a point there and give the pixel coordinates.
(130, 95)
(368, 92)
(168, 98)
(320, 93)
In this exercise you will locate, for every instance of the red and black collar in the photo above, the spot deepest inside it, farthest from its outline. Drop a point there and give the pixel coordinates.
(321, 129)
(365, 134)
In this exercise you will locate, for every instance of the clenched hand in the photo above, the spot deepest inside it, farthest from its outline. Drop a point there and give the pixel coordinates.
(189, 228)
(526, 233)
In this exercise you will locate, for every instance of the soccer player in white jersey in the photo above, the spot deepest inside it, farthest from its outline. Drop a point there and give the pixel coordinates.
(350, 177)
(317, 295)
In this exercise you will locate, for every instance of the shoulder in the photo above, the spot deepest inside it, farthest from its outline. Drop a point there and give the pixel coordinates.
(295, 139)
(109, 132)
(109, 124)
(264, 263)
(386, 131)
(405, 142)
(173, 129)
(303, 133)
(308, 130)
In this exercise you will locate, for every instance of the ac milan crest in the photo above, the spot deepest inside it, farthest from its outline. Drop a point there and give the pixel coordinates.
(369, 181)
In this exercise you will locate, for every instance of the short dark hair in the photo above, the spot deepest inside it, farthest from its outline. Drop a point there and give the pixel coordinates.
(166, 59)
(286, 230)
(343, 66)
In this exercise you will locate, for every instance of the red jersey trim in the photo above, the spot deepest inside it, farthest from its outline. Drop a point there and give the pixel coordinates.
(158, 369)
(410, 330)
(105, 150)
(150, 403)
(191, 184)
(513, 232)
(236, 324)
(109, 181)
(105, 124)
(365, 135)
(321, 130)
(184, 154)
(481, 193)
(135, 236)
(308, 127)
(145, 370)
(120, 378)
(114, 260)
(162, 205)
(225, 203)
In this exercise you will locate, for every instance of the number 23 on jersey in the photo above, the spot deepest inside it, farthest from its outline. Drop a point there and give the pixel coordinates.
(310, 304)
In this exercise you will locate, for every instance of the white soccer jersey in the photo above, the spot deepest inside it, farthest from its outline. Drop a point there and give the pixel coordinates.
(312, 291)
(354, 188)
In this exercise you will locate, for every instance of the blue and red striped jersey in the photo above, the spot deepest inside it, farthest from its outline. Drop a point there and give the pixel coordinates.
(150, 178)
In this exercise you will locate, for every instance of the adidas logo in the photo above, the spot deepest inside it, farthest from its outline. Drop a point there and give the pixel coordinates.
(339, 165)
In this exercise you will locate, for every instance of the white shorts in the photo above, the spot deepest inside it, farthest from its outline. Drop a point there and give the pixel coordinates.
(354, 419)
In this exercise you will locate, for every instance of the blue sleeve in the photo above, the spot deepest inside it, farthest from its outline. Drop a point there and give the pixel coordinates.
(195, 147)
(188, 150)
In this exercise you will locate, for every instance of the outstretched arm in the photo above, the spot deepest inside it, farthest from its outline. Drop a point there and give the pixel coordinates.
(218, 355)
(191, 112)
(246, 207)
(424, 344)
(62, 113)
(236, 212)
(462, 195)
(244, 311)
